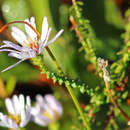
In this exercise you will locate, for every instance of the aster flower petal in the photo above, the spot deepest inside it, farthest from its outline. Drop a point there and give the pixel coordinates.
(25, 119)
(40, 121)
(12, 124)
(29, 31)
(3, 119)
(27, 112)
(35, 110)
(10, 50)
(28, 101)
(16, 104)
(44, 29)
(57, 35)
(13, 65)
(9, 106)
(8, 46)
(32, 22)
(3, 124)
(12, 45)
(16, 55)
(19, 36)
(53, 103)
(40, 100)
(42, 45)
(43, 120)
(21, 100)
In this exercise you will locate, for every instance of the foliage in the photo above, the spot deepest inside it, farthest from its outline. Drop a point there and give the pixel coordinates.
(73, 61)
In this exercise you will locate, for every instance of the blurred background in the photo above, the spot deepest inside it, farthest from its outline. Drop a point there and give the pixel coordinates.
(107, 21)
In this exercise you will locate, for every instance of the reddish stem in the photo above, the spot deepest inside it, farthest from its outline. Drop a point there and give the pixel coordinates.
(115, 103)
(6, 25)
(74, 26)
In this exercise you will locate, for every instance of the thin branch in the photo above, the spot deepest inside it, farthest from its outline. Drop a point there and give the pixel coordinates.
(6, 25)
(74, 26)
(115, 103)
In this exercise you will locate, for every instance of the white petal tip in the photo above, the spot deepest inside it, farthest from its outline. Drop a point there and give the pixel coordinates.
(62, 30)
(13, 28)
(32, 18)
(4, 70)
(45, 17)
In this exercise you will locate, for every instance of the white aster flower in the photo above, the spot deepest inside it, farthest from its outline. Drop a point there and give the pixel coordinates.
(30, 44)
(47, 110)
(19, 113)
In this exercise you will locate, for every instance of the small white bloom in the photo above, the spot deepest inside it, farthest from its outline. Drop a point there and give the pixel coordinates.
(19, 113)
(30, 46)
(102, 64)
(47, 110)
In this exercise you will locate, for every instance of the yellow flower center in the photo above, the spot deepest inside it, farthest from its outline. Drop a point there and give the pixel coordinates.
(48, 115)
(16, 118)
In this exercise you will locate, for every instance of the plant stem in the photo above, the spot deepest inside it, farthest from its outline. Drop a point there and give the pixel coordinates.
(86, 44)
(115, 103)
(54, 60)
(78, 107)
(75, 100)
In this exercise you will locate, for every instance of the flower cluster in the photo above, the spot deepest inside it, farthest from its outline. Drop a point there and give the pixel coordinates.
(45, 111)
(31, 44)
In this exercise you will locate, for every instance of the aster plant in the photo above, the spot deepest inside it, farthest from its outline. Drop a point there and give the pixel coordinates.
(106, 95)
(30, 49)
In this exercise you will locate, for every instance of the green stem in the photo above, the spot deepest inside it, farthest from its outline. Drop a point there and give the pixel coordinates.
(78, 107)
(75, 100)
(55, 62)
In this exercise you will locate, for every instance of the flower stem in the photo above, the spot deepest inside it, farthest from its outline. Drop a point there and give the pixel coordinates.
(75, 100)
(78, 107)
(54, 60)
